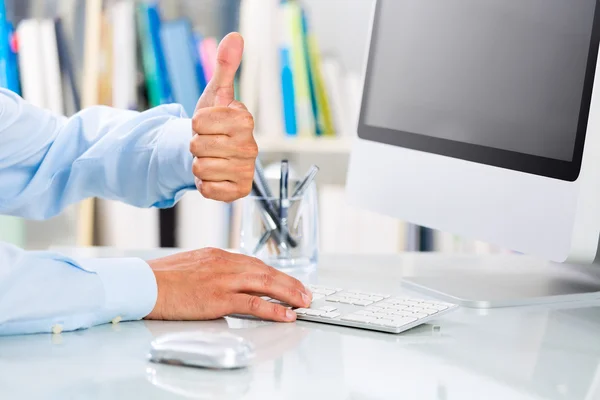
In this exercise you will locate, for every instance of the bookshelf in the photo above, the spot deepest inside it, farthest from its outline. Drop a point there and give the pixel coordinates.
(304, 146)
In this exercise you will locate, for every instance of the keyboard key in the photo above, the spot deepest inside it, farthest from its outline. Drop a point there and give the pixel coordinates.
(333, 299)
(375, 298)
(439, 307)
(429, 311)
(374, 308)
(382, 322)
(315, 313)
(301, 311)
(419, 315)
(363, 297)
(365, 312)
(385, 296)
(331, 315)
(402, 314)
(317, 296)
(358, 318)
(328, 309)
(398, 323)
(382, 315)
(351, 295)
(362, 302)
(346, 300)
(323, 291)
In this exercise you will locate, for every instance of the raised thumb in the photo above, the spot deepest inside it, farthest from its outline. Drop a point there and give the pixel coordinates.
(220, 91)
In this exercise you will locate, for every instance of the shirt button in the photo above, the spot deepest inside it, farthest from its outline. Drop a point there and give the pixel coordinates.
(116, 320)
(56, 329)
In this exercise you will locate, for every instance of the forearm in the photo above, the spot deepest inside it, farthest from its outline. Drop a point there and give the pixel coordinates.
(44, 292)
(48, 162)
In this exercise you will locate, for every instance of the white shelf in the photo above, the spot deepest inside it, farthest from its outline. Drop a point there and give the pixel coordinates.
(317, 145)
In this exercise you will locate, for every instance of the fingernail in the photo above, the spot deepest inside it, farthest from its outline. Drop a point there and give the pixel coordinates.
(305, 298)
(290, 315)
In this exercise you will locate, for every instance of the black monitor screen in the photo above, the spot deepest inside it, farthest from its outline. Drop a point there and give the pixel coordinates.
(503, 82)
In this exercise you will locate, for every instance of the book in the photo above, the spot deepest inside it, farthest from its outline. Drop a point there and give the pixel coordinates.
(90, 97)
(426, 240)
(5, 68)
(288, 89)
(155, 70)
(304, 110)
(345, 229)
(155, 26)
(71, 95)
(201, 222)
(14, 79)
(249, 81)
(208, 56)
(320, 100)
(51, 74)
(270, 119)
(30, 58)
(176, 37)
(196, 40)
(12, 230)
(105, 66)
(126, 227)
(124, 50)
(333, 78)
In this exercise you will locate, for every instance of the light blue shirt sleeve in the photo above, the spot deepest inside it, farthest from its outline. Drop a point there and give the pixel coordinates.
(48, 162)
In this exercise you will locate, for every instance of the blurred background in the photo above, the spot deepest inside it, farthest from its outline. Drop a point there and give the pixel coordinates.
(301, 77)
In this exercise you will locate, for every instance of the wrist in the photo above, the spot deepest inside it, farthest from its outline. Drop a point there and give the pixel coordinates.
(161, 276)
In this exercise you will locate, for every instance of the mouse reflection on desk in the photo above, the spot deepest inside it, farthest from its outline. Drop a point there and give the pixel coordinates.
(209, 350)
(196, 383)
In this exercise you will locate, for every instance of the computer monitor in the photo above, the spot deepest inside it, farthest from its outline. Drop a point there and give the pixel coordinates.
(480, 118)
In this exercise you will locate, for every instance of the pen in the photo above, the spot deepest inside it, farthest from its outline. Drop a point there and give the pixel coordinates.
(283, 197)
(263, 240)
(262, 180)
(305, 183)
(283, 190)
(269, 214)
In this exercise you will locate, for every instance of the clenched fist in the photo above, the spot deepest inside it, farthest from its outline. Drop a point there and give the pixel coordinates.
(223, 143)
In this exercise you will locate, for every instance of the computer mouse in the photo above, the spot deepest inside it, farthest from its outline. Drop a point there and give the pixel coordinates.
(213, 350)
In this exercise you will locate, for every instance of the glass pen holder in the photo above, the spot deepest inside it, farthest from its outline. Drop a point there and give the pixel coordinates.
(284, 234)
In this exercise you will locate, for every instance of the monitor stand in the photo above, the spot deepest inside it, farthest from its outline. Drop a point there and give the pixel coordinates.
(494, 289)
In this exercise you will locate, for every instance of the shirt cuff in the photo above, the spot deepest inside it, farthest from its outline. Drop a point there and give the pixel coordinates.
(175, 160)
(129, 286)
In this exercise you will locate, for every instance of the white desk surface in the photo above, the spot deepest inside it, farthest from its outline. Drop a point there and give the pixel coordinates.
(509, 354)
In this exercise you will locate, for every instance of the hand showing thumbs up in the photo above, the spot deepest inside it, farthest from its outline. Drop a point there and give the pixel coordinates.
(223, 144)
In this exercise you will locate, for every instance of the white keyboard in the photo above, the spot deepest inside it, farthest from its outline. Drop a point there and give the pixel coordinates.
(374, 311)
